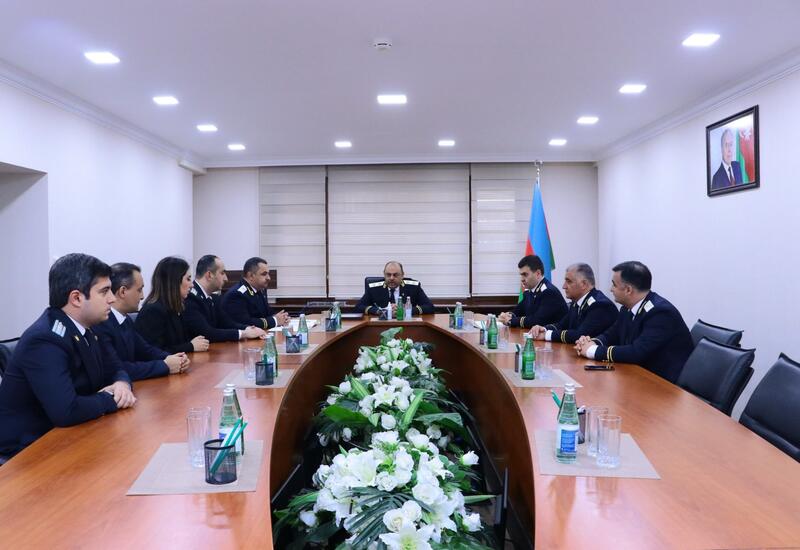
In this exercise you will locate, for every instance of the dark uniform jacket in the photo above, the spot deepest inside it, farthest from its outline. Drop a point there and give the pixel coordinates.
(377, 294)
(53, 379)
(591, 318)
(656, 338)
(203, 316)
(162, 328)
(246, 306)
(124, 348)
(542, 305)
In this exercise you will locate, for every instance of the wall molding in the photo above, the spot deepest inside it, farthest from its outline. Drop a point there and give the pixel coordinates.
(39, 88)
(778, 69)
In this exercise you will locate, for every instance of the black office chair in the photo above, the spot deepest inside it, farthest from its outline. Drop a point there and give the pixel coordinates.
(722, 335)
(6, 349)
(717, 373)
(774, 408)
(368, 280)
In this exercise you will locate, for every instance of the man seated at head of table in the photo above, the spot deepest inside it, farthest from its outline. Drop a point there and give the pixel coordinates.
(57, 376)
(649, 330)
(590, 312)
(247, 303)
(542, 303)
(395, 288)
(203, 314)
(122, 345)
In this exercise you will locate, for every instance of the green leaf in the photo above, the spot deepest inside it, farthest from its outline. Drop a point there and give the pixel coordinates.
(373, 418)
(408, 416)
(428, 419)
(358, 387)
(341, 415)
(323, 532)
(389, 334)
(472, 499)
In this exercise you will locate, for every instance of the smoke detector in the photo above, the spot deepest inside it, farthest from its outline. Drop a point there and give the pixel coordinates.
(382, 44)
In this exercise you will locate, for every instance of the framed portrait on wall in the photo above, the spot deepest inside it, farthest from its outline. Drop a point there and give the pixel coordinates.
(732, 153)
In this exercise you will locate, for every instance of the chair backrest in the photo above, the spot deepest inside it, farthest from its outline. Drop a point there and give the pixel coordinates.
(368, 280)
(6, 349)
(774, 408)
(717, 373)
(719, 334)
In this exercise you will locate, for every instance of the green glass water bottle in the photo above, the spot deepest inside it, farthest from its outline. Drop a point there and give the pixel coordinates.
(528, 359)
(238, 410)
(491, 333)
(228, 418)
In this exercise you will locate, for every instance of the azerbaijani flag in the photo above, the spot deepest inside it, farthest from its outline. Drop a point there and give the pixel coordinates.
(538, 234)
(745, 153)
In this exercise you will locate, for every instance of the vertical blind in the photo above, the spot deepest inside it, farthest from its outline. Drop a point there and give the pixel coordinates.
(501, 204)
(292, 218)
(415, 214)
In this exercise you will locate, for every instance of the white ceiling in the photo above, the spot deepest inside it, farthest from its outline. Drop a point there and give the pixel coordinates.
(288, 77)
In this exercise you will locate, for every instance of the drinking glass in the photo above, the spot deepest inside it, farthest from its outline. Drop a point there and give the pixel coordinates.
(249, 358)
(198, 431)
(469, 319)
(592, 413)
(609, 431)
(544, 363)
(503, 334)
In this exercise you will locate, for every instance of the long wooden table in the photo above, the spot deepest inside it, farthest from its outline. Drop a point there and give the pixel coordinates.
(721, 486)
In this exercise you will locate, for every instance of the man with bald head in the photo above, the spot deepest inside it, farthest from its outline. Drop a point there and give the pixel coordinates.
(394, 289)
(590, 312)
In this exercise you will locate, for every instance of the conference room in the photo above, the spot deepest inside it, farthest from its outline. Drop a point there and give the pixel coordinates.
(399, 274)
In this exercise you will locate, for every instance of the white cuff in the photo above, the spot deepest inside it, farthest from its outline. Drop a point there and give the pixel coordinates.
(590, 352)
(548, 335)
(275, 318)
(241, 334)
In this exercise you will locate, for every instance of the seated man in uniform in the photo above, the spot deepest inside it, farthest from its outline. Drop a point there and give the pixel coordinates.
(394, 289)
(247, 303)
(202, 314)
(542, 303)
(590, 312)
(56, 376)
(123, 346)
(649, 331)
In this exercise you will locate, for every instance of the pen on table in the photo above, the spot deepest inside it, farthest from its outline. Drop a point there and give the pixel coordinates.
(555, 398)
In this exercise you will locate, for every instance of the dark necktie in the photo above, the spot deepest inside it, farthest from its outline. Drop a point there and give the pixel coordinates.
(730, 175)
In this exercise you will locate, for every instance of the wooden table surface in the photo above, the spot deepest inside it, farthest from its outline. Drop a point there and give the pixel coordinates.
(721, 486)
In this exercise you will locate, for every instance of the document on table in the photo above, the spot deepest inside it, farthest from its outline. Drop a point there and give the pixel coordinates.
(294, 323)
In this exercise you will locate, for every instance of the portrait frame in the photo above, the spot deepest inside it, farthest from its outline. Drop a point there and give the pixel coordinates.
(733, 143)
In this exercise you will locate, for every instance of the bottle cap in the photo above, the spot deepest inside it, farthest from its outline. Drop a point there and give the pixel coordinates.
(569, 387)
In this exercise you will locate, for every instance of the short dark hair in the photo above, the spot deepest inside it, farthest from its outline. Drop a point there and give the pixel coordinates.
(122, 275)
(252, 264)
(635, 274)
(584, 270)
(74, 272)
(166, 283)
(206, 263)
(533, 262)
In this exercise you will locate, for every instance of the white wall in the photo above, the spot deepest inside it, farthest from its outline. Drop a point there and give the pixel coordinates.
(730, 260)
(569, 192)
(23, 226)
(107, 195)
(226, 215)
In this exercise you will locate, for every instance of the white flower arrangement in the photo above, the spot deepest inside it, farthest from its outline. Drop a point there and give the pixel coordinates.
(401, 483)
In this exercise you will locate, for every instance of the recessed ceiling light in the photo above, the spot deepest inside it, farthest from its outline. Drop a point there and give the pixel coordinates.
(632, 88)
(101, 58)
(558, 142)
(447, 143)
(700, 40)
(207, 127)
(344, 144)
(236, 147)
(165, 100)
(392, 99)
(588, 120)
